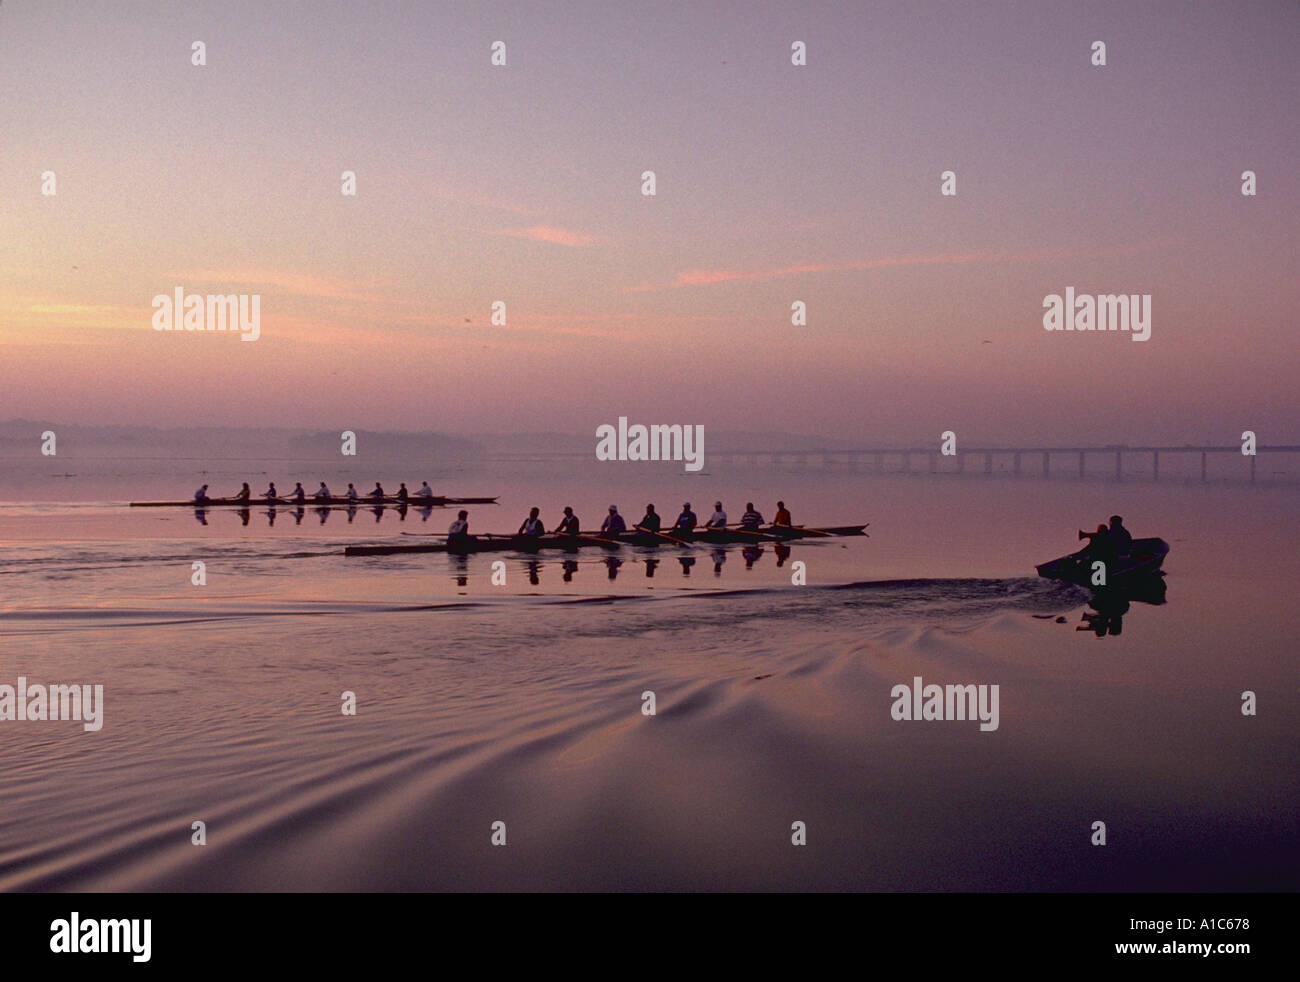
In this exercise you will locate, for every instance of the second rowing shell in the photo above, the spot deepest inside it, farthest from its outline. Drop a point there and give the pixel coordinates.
(518, 543)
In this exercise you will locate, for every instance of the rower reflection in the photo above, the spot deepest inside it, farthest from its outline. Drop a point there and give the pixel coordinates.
(751, 555)
(719, 557)
(201, 515)
(650, 566)
(460, 566)
(613, 563)
(687, 562)
(570, 567)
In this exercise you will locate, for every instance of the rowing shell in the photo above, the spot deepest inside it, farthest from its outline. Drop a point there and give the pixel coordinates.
(389, 502)
(518, 543)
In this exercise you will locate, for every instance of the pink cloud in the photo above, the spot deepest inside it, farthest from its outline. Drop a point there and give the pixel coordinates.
(707, 277)
(549, 233)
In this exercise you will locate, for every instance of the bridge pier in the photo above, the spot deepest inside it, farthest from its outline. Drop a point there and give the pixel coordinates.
(1203, 456)
(988, 463)
(1155, 465)
(1119, 466)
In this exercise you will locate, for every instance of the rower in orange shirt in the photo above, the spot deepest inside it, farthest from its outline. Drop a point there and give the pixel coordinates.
(782, 515)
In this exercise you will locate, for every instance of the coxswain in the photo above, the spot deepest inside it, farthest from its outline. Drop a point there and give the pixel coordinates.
(568, 524)
(751, 520)
(271, 492)
(323, 494)
(686, 521)
(298, 494)
(782, 515)
(532, 527)
(613, 524)
(719, 519)
(458, 531)
(201, 495)
(651, 521)
(378, 493)
(425, 491)
(244, 493)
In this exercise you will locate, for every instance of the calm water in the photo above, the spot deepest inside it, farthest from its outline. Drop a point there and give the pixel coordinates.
(522, 702)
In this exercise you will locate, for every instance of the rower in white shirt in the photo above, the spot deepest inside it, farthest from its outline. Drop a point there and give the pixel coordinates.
(425, 491)
(323, 493)
(719, 519)
(201, 494)
(352, 493)
(458, 531)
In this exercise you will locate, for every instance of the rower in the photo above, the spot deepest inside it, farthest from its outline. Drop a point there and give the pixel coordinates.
(569, 524)
(686, 521)
(271, 493)
(402, 494)
(651, 521)
(751, 520)
(719, 519)
(323, 494)
(201, 495)
(244, 493)
(532, 527)
(298, 495)
(458, 531)
(782, 515)
(352, 493)
(378, 493)
(613, 525)
(425, 491)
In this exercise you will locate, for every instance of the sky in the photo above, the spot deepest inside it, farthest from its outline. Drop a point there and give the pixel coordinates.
(775, 183)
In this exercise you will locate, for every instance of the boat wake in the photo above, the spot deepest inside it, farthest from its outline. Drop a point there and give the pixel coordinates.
(920, 600)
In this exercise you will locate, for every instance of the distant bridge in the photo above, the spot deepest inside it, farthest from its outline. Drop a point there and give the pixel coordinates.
(956, 463)
(1072, 461)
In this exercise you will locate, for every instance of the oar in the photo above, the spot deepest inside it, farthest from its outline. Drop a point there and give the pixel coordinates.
(808, 531)
(600, 539)
(744, 531)
(675, 541)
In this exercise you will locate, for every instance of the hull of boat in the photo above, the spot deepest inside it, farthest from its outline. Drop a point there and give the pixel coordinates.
(316, 503)
(1144, 559)
(514, 543)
